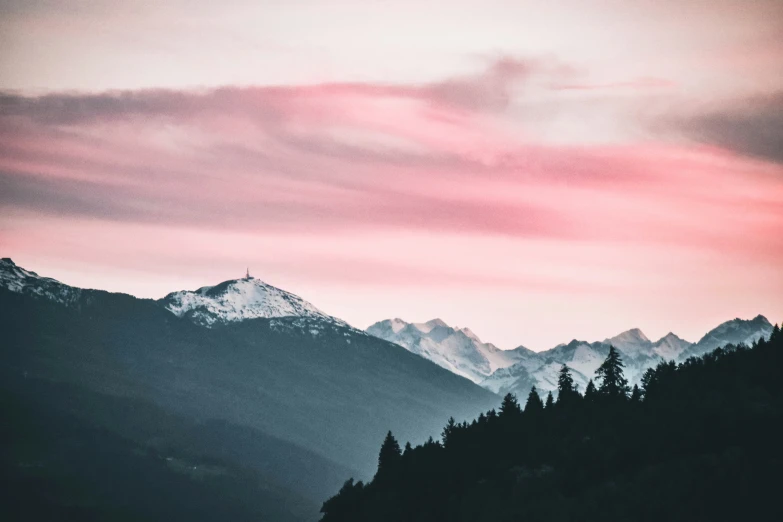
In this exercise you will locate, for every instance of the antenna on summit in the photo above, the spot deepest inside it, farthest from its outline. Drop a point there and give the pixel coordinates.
(247, 276)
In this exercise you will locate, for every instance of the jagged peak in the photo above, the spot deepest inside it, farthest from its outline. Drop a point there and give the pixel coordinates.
(430, 325)
(436, 322)
(469, 333)
(670, 337)
(634, 334)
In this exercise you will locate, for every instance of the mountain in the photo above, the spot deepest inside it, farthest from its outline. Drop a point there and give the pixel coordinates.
(517, 370)
(16, 279)
(458, 350)
(299, 401)
(238, 300)
(736, 331)
(670, 347)
(637, 351)
(703, 440)
(632, 341)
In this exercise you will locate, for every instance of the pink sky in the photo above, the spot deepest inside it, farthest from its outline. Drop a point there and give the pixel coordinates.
(537, 171)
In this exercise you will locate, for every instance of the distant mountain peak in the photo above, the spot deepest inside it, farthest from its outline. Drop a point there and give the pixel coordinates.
(632, 335)
(21, 281)
(430, 325)
(457, 349)
(468, 332)
(736, 331)
(239, 299)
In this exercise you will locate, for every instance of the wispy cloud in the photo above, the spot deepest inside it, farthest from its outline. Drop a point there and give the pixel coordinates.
(751, 126)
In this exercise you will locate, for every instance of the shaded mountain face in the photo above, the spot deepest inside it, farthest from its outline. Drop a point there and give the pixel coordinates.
(458, 350)
(305, 387)
(516, 371)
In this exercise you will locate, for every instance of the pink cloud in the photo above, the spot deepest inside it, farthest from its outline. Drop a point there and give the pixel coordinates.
(643, 83)
(210, 178)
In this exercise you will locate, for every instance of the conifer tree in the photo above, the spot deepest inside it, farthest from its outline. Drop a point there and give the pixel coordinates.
(509, 406)
(613, 382)
(590, 391)
(534, 403)
(566, 390)
(636, 394)
(389, 455)
(448, 431)
(550, 401)
(648, 379)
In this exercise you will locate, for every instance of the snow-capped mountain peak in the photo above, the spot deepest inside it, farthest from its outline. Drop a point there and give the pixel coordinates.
(629, 341)
(736, 331)
(240, 299)
(670, 346)
(457, 349)
(468, 332)
(21, 281)
(430, 325)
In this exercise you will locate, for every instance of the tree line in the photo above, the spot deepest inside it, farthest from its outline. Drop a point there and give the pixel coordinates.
(699, 440)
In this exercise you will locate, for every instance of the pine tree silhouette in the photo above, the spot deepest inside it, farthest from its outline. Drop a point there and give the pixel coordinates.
(534, 403)
(667, 437)
(448, 431)
(509, 406)
(550, 401)
(389, 455)
(566, 390)
(613, 382)
(590, 391)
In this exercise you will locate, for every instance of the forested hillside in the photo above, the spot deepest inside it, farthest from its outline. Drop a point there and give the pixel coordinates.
(697, 441)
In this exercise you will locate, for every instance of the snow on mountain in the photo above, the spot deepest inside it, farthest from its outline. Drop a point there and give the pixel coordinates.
(637, 351)
(456, 349)
(736, 331)
(630, 342)
(21, 281)
(670, 347)
(240, 299)
(230, 301)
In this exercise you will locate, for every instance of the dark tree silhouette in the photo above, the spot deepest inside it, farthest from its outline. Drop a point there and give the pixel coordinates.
(534, 403)
(590, 391)
(389, 456)
(613, 382)
(566, 390)
(550, 401)
(698, 441)
(448, 431)
(509, 406)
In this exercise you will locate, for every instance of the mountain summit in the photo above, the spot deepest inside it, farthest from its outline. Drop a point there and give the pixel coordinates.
(462, 352)
(240, 299)
(456, 349)
(18, 280)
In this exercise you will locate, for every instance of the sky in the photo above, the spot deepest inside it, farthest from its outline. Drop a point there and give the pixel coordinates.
(536, 171)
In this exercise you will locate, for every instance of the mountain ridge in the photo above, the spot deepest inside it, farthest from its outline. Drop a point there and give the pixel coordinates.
(519, 369)
(306, 381)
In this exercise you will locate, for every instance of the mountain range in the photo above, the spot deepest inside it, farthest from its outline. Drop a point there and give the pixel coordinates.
(240, 400)
(240, 386)
(501, 371)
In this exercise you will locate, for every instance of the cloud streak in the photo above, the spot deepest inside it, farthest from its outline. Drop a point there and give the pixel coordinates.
(440, 185)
